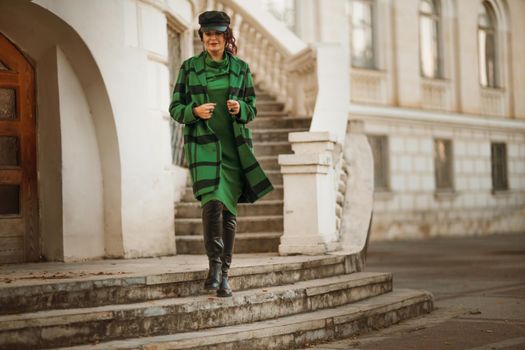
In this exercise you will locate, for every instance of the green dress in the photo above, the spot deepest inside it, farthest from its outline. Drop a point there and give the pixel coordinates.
(231, 178)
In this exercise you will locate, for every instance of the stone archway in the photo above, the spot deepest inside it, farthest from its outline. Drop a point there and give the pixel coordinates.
(78, 152)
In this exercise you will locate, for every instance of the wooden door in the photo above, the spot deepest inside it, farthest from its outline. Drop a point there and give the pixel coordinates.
(19, 238)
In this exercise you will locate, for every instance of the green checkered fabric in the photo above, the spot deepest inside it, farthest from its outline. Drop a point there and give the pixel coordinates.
(202, 148)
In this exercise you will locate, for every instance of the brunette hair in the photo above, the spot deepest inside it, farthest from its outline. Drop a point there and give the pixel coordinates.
(229, 40)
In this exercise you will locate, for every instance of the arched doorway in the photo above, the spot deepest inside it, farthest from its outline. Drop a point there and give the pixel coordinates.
(19, 236)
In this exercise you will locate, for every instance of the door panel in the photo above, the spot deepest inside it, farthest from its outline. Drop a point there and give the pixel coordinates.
(7, 103)
(9, 151)
(19, 238)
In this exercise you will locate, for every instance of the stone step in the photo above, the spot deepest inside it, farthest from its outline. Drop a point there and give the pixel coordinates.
(272, 148)
(262, 207)
(247, 272)
(280, 123)
(272, 135)
(261, 93)
(245, 224)
(270, 114)
(269, 106)
(175, 315)
(292, 331)
(260, 242)
(260, 97)
(275, 176)
(276, 194)
(269, 162)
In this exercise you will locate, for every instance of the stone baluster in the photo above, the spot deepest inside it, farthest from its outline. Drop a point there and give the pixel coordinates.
(280, 80)
(244, 41)
(212, 5)
(252, 54)
(276, 74)
(268, 64)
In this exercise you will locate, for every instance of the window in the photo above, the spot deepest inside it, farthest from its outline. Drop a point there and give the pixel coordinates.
(498, 153)
(174, 63)
(429, 39)
(379, 145)
(443, 164)
(363, 43)
(487, 46)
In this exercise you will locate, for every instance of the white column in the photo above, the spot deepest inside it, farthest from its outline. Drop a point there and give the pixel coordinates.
(309, 194)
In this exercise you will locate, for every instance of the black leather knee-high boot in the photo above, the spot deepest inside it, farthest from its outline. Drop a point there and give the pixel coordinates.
(229, 225)
(212, 229)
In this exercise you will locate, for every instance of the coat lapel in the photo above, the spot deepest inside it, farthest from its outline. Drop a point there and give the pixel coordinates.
(199, 66)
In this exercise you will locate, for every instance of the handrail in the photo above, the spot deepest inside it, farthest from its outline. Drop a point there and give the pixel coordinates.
(331, 105)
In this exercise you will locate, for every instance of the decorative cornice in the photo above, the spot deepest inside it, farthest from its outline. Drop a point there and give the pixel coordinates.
(412, 116)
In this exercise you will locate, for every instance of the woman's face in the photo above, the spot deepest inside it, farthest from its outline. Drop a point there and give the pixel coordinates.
(213, 41)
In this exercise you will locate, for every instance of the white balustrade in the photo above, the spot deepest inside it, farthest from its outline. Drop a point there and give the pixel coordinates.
(436, 94)
(368, 86)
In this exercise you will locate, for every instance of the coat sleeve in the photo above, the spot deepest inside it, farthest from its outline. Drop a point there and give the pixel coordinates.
(181, 106)
(247, 101)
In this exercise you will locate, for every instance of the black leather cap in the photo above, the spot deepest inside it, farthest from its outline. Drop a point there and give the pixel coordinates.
(214, 20)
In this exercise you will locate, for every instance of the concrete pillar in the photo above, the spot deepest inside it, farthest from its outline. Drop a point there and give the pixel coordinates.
(309, 194)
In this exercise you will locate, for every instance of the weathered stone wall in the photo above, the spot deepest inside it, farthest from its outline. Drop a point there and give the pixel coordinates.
(413, 209)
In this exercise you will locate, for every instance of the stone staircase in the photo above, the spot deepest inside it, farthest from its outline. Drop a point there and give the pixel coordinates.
(278, 303)
(260, 225)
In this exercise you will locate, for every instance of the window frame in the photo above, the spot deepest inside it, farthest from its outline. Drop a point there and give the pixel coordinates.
(437, 25)
(384, 141)
(450, 186)
(499, 185)
(373, 63)
(492, 30)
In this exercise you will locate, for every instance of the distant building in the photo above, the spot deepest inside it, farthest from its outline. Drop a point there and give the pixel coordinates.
(440, 87)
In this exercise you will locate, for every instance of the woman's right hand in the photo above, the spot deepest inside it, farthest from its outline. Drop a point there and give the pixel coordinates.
(204, 111)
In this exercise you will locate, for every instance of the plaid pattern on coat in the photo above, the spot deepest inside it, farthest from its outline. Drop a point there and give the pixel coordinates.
(201, 146)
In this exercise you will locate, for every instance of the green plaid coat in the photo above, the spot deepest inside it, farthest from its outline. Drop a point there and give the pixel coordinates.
(202, 148)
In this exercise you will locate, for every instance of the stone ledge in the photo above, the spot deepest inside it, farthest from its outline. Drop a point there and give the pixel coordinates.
(311, 136)
(304, 159)
(293, 331)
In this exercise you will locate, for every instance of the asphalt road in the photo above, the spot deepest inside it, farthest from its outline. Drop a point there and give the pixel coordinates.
(479, 289)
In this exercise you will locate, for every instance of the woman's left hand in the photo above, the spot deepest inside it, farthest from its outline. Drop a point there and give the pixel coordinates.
(233, 107)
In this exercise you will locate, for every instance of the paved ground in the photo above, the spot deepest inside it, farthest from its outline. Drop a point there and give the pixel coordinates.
(479, 289)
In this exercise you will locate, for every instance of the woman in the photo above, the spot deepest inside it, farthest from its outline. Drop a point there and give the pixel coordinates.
(214, 98)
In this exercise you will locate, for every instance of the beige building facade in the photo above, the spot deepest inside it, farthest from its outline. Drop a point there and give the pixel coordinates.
(443, 107)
